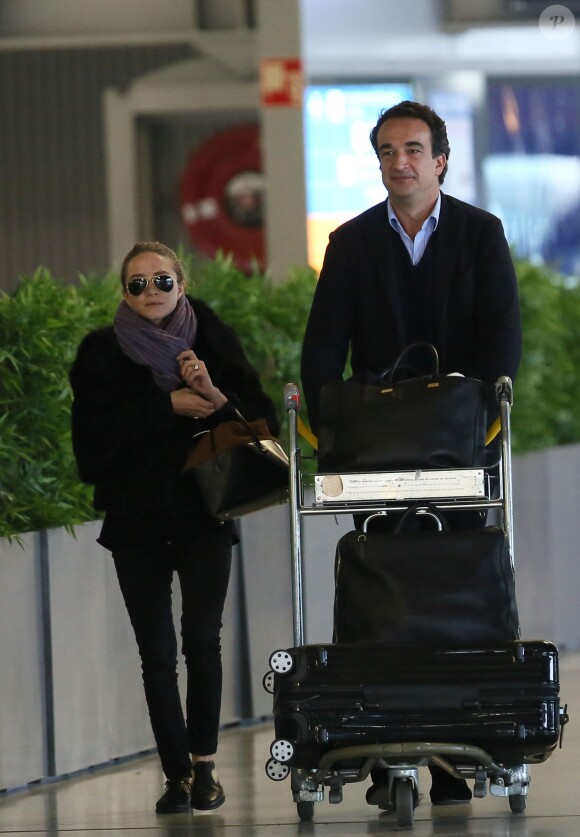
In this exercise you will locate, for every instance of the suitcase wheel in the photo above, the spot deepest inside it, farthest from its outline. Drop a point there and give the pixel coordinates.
(281, 662)
(268, 682)
(305, 810)
(404, 802)
(276, 771)
(517, 803)
(335, 795)
(282, 750)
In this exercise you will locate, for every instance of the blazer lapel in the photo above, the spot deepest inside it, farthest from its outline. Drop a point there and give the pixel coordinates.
(383, 264)
(447, 239)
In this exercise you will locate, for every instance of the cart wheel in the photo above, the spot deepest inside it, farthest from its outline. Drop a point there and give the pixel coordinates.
(517, 803)
(335, 795)
(268, 682)
(282, 750)
(281, 662)
(404, 803)
(276, 771)
(305, 810)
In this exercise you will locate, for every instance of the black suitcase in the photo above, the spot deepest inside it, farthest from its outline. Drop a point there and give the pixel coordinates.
(503, 699)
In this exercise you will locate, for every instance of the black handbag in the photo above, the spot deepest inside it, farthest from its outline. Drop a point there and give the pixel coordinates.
(239, 467)
(435, 421)
(428, 587)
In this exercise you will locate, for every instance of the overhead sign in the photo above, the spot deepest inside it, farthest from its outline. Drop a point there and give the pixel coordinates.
(281, 82)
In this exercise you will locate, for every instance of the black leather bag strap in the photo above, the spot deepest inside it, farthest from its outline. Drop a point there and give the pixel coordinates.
(388, 374)
(424, 508)
(248, 427)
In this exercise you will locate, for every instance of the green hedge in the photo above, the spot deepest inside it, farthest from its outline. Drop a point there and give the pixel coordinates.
(547, 390)
(44, 319)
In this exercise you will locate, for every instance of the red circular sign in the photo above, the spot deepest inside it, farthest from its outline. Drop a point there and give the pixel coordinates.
(222, 196)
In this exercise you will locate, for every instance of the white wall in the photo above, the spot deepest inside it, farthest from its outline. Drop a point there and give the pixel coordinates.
(22, 711)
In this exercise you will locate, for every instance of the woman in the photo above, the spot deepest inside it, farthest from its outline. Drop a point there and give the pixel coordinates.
(165, 370)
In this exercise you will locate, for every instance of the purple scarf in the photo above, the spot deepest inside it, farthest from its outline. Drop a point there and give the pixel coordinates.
(157, 346)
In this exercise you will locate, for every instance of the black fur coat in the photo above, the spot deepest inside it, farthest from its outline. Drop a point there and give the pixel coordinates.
(130, 444)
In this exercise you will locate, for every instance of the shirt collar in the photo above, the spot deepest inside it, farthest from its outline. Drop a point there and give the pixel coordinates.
(434, 214)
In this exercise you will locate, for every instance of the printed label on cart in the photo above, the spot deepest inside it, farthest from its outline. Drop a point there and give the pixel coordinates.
(400, 485)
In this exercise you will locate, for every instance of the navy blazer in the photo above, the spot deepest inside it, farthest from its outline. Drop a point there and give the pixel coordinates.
(357, 303)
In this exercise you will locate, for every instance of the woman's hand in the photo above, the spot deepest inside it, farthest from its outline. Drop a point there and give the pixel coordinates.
(185, 402)
(196, 376)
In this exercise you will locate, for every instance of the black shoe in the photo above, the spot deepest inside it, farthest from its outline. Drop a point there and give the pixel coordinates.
(206, 794)
(378, 793)
(446, 789)
(176, 798)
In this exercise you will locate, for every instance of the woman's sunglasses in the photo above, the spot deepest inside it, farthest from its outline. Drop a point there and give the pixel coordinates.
(164, 282)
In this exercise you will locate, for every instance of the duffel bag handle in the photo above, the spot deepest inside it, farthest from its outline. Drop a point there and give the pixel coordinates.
(389, 373)
(424, 508)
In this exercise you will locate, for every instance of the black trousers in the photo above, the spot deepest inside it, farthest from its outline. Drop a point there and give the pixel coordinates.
(145, 577)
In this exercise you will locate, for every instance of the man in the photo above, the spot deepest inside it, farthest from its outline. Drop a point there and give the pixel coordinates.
(421, 266)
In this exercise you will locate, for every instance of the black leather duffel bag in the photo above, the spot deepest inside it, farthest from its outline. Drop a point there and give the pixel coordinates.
(429, 421)
(428, 587)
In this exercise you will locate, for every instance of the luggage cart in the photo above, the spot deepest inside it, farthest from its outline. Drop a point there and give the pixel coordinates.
(325, 762)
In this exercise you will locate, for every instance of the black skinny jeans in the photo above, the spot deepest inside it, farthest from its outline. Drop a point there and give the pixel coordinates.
(203, 568)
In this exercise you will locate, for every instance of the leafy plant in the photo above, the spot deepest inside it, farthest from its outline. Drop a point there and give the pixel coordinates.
(547, 389)
(40, 325)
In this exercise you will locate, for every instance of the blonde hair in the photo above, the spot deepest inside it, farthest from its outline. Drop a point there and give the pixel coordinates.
(153, 247)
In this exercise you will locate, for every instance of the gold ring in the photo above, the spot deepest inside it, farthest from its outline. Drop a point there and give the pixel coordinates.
(196, 366)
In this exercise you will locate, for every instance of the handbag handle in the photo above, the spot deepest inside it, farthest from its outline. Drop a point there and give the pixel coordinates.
(248, 427)
(390, 370)
(425, 508)
(255, 441)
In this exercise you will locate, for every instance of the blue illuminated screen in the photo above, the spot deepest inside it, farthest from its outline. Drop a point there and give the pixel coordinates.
(342, 170)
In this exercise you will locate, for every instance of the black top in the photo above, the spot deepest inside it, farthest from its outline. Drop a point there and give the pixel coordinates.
(130, 444)
(416, 290)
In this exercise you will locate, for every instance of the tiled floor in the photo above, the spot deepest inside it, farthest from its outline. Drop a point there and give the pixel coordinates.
(120, 800)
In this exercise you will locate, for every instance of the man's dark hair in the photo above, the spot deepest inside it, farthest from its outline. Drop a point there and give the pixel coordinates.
(415, 110)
